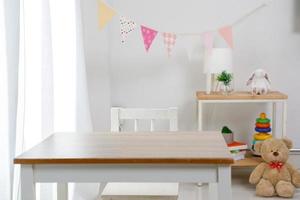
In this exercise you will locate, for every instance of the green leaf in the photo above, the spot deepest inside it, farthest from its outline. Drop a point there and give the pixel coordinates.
(225, 77)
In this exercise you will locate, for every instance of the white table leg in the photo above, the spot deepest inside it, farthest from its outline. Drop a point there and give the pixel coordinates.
(284, 118)
(200, 107)
(188, 191)
(213, 191)
(224, 182)
(27, 183)
(101, 189)
(274, 118)
(62, 191)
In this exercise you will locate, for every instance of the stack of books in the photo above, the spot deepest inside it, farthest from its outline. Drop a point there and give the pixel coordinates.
(238, 150)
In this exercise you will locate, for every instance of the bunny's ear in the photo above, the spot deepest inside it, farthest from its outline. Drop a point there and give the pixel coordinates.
(250, 79)
(267, 77)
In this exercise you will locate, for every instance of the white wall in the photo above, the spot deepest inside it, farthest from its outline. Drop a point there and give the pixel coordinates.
(96, 46)
(125, 75)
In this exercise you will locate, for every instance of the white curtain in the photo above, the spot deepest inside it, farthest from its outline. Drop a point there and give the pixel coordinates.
(5, 166)
(52, 86)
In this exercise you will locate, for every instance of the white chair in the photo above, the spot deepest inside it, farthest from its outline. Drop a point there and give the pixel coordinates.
(118, 117)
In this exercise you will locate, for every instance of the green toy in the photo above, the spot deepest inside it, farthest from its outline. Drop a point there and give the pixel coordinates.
(227, 134)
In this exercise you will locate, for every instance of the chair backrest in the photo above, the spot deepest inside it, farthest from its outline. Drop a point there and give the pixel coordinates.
(118, 114)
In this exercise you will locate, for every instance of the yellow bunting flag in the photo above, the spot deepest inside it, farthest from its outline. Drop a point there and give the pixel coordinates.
(105, 14)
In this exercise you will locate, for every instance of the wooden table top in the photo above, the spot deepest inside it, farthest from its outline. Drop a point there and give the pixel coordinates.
(129, 148)
(240, 95)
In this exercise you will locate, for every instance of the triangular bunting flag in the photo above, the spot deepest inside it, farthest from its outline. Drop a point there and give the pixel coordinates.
(105, 14)
(169, 41)
(208, 41)
(148, 36)
(226, 33)
(126, 27)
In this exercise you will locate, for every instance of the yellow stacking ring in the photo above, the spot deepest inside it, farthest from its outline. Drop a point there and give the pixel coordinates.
(263, 115)
(262, 136)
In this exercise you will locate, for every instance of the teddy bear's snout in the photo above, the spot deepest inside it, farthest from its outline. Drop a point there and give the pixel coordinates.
(275, 153)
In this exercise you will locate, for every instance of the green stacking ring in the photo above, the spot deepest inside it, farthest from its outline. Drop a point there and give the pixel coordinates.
(263, 121)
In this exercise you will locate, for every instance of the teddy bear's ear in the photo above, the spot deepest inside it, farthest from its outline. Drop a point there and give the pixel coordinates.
(288, 143)
(257, 147)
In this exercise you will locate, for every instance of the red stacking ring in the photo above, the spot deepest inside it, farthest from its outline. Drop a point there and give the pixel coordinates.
(259, 125)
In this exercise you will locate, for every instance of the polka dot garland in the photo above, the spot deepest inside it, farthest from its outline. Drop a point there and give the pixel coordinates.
(148, 36)
(126, 27)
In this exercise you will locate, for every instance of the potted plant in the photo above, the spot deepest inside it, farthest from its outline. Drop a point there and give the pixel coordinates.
(224, 82)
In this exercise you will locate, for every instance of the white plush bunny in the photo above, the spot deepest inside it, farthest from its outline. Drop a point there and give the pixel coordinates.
(260, 83)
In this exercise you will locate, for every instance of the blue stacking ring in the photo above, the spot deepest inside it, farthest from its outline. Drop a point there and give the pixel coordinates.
(263, 130)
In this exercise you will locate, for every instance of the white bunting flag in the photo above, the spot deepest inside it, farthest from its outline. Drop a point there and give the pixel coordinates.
(126, 27)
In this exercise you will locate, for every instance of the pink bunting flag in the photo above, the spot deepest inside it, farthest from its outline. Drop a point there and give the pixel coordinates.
(126, 27)
(169, 41)
(148, 36)
(226, 33)
(208, 41)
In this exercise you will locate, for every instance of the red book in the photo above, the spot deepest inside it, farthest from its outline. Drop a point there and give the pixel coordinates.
(237, 146)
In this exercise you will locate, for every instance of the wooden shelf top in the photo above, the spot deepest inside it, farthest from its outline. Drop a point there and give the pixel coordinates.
(130, 148)
(240, 95)
(249, 161)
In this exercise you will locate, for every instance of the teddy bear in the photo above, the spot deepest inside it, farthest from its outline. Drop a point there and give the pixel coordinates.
(275, 176)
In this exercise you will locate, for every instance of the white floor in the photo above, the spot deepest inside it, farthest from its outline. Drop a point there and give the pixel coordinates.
(243, 190)
(240, 186)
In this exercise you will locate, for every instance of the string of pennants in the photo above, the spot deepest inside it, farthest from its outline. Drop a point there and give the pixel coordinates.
(127, 26)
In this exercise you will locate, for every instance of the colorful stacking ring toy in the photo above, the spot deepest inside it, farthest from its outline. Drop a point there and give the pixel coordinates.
(262, 136)
(259, 125)
(262, 127)
(263, 130)
(262, 120)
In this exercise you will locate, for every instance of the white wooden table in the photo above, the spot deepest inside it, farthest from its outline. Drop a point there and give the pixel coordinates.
(273, 97)
(183, 157)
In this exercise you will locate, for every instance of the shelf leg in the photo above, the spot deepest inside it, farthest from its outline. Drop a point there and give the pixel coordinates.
(284, 118)
(274, 131)
(200, 114)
